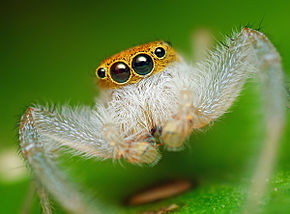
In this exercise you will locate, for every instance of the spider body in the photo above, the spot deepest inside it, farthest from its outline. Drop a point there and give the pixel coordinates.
(149, 97)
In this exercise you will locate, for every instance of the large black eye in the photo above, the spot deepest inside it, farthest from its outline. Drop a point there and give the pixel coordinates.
(120, 72)
(159, 52)
(142, 64)
(101, 73)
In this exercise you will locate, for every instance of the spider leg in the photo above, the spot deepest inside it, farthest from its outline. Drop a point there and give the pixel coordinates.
(268, 62)
(214, 85)
(44, 199)
(202, 41)
(41, 134)
(93, 134)
(209, 89)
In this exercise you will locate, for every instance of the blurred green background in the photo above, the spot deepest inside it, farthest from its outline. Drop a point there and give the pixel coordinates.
(49, 51)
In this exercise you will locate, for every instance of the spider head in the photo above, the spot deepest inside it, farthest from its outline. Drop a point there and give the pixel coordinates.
(132, 65)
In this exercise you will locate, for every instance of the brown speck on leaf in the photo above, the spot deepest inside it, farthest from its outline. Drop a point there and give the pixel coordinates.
(159, 192)
(172, 207)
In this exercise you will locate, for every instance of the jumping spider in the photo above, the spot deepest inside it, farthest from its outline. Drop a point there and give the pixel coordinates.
(150, 97)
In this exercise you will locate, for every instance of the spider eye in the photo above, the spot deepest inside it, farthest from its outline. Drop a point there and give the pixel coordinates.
(101, 73)
(159, 52)
(120, 72)
(142, 64)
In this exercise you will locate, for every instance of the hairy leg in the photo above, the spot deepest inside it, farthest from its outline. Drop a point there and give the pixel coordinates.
(214, 86)
(207, 90)
(38, 153)
(42, 133)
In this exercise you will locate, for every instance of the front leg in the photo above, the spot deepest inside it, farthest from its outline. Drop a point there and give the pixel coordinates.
(216, 83)
(42, 133)
(208, 90)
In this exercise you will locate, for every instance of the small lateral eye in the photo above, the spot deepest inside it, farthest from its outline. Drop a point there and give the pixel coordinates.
(101, 73)
(142, 64)
(120, 72)
(159, 52)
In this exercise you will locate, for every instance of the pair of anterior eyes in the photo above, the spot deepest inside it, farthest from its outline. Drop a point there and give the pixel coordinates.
(142, 64)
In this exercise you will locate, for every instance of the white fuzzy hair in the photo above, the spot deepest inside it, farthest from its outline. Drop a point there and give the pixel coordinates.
(129, 113)
(214, 85)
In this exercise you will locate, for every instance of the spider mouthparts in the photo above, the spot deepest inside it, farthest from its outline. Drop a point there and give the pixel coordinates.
(143, 152)
(172, 136)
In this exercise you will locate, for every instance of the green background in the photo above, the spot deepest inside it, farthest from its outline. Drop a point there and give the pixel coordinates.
(49, 52)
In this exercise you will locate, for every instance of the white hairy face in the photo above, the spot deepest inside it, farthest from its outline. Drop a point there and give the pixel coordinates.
(154, 100)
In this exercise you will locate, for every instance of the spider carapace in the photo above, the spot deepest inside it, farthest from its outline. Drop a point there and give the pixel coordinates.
(131, 65)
